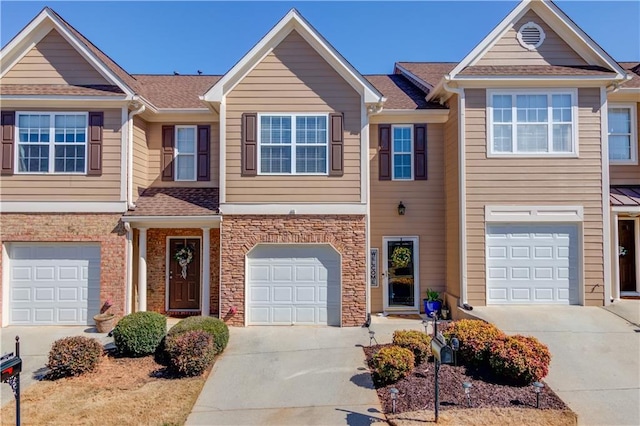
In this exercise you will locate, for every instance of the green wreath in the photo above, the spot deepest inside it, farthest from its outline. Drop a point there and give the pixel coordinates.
(401, 257)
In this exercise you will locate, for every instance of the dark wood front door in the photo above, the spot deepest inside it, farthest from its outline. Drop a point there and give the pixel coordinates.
(184, 280)
(627, 255)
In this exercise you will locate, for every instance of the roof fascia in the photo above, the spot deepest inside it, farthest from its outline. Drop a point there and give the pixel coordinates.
(412, 76)
(292, 21)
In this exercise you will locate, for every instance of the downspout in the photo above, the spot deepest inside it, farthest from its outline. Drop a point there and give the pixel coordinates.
(462, 190)
(130, 204)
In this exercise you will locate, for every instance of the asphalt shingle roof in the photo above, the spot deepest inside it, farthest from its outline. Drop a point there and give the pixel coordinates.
(177, 202)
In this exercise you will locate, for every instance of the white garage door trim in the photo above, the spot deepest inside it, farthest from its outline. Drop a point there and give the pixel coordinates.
(93, 303)
(257, 247)
(553, 293)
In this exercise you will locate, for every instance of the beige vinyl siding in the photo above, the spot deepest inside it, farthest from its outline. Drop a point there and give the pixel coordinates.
(553, 51)
(452, 200)
(59, 187)
(535, 181)
(140, 156)
(53, 61)
(627, 174)
(293, 78)
(425, 214)
(154, 140)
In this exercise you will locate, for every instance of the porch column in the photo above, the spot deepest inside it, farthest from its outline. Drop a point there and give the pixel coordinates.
(142, 271)
(206, 271)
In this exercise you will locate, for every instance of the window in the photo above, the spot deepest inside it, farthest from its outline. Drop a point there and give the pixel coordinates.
(623, 142)
(532, 123)
(293, 144)
(51, 142)
(402, 156)
(185, 153)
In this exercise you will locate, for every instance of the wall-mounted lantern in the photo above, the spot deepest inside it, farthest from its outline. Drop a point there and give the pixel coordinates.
(401, 209)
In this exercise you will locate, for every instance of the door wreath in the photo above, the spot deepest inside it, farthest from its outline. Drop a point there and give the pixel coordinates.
(184, 257)
(401, 257)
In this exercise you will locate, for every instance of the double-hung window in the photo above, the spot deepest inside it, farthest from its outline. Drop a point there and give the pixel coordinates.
(402, 155)
(293, 144)
(51, 142)
(185, 153)
(532, 123)
(623, 139)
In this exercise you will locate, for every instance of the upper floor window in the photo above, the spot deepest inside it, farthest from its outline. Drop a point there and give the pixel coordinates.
(532, 123)
(293, 144)
(51, 142)
(623, 140)
(402, 156)
(185, 153)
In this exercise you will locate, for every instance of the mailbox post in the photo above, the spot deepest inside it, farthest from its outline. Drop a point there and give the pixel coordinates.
(442, 354)
(11, 366)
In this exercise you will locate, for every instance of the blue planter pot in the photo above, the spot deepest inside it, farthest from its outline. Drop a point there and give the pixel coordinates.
(430, 307)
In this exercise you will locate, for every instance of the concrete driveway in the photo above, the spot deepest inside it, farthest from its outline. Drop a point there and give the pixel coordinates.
(290, 376)
(35, 343)
(595, 366)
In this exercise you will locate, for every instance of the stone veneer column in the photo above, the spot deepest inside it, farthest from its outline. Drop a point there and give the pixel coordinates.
(142, 270)
(206, 271)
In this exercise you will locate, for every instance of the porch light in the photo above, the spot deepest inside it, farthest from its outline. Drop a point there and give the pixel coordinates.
(401, 209)
(537, 388)
(394, 397)
(467, 392)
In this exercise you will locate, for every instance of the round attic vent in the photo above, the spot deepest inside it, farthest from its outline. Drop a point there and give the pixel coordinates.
(531, 35)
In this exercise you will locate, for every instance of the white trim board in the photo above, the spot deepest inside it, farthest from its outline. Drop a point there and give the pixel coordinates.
(63, 206)
(509, 214)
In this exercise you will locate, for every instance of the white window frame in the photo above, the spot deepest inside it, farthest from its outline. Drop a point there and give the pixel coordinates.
(393, 152)
(633, 111)
(177, 153)
(293, 144)
(549, 92)
(52, 144)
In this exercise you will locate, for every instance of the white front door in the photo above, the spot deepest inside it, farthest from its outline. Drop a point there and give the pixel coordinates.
(401, 289)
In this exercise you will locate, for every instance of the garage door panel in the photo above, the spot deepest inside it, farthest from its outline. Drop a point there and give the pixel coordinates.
(306, 273)
(44, 294)
(282, 273)
(282, 294)
(45, 273)
(306, 294)
(282, 314)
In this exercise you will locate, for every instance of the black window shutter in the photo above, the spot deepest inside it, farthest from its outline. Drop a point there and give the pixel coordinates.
(7, 126)
(168, 135)
(336, 145)
(96, 123)
(204, 156)
(249, 142)
(384, 152)
(420, 151)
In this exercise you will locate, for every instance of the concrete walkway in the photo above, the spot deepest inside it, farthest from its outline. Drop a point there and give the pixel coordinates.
(595, 366)
(290, 376)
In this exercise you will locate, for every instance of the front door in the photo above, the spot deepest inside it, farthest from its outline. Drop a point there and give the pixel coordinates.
(402, 290)
(184, 274)
(627, 255)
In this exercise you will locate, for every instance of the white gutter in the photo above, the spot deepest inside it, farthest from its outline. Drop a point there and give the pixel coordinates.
(139, 110)
(462, 190)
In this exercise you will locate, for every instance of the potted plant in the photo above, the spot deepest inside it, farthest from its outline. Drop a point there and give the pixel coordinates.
(105, 321)
(432, 303)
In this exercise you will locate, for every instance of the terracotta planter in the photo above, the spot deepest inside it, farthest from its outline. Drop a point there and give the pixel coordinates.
(105, 322)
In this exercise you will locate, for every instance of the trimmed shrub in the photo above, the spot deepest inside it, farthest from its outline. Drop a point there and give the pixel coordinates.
(416, 341)
(519, 359)
(475, 338)
(190, 353)
(73, 356)
(214, 326)
(392, 363)
(140, 333)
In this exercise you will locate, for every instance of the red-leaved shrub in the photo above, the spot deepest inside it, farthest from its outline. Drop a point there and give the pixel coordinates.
(190, 353)
(519, 359)
(73, 356)
(475, 338)
(392, 363)
(416, 341)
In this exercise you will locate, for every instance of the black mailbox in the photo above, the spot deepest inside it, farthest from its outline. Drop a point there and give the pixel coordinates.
(442, 352)
(11, 366)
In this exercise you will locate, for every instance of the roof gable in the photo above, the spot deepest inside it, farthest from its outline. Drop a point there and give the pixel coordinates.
(293, 21)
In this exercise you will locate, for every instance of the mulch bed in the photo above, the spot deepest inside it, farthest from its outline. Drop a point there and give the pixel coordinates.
(416, 391)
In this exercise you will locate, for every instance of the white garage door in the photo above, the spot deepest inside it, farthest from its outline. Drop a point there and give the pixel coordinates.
(293, 284)
(53, 284)
(532, 263)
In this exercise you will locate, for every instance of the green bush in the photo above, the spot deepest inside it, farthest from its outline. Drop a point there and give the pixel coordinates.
(190, 353)
(392, 363)
(72, 356)
(475, 338)
(519, 359)
(140, 333)
(416, 341)
(214, 326)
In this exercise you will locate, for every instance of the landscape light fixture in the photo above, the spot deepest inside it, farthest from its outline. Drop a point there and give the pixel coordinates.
(372, 337)
(455, 345)
(425, 324)
(401, 209)
(394, 397)
(467, 392)
(537, 388)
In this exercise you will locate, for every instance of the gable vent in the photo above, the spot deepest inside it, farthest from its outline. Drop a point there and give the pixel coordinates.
(531, 35)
